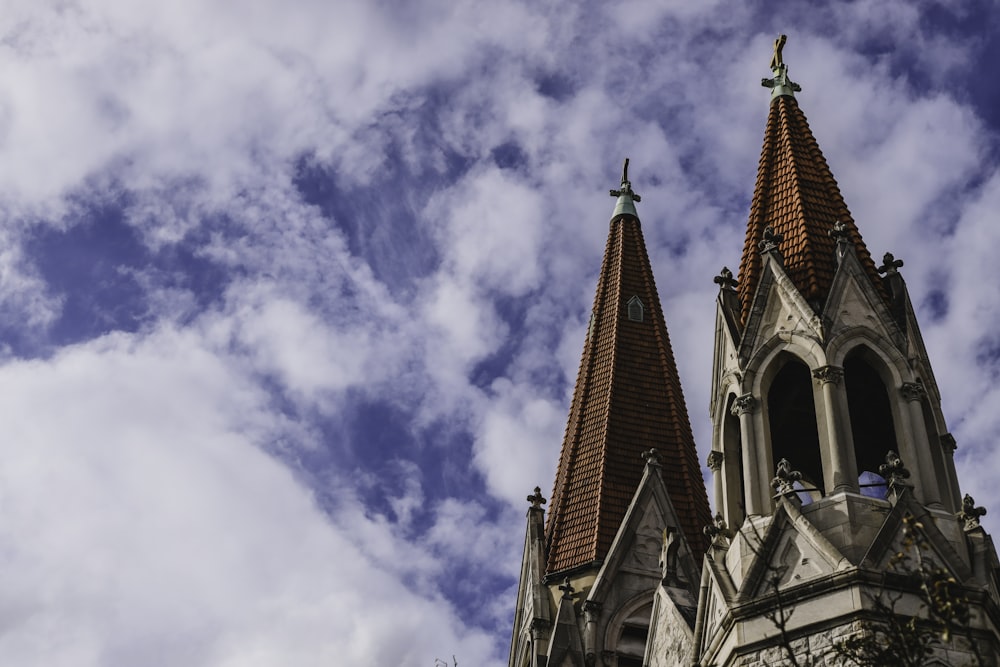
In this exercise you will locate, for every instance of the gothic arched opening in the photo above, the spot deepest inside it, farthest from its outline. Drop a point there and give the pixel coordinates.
(871, 416)
(632, 632)
(733, 479)
(792, 418)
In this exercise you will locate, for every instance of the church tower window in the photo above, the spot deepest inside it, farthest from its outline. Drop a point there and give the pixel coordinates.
(872, 425)
(792, 418)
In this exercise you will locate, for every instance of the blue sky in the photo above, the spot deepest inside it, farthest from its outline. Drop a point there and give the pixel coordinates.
(292, 294)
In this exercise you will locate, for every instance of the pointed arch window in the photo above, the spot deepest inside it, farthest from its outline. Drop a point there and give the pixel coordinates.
(872, 425)
(635, 309)
(629, 632)
(792, 418)
(733, 473)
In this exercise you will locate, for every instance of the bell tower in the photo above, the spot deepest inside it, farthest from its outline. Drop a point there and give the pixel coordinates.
(829, 443)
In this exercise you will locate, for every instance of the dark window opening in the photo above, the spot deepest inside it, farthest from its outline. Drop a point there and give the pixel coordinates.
(632, 644)
(871, 415)
(792, 417)
(732, 443)
(631, 647)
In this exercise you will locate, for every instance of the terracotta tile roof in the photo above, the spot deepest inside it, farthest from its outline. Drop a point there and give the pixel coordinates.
(797, 195)
(627, 400)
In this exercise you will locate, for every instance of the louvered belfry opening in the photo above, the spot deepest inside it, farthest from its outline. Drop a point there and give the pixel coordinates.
(627, 400)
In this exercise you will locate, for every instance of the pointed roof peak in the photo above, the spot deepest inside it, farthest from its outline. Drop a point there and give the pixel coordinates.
(797, 210)
(780, 84)
(627, 401)
(626, 197)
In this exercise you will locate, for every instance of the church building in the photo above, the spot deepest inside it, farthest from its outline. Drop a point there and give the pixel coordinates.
(838, 527)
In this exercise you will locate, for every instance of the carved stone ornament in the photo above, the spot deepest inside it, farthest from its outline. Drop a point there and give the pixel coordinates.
(592, 610)
(744, 404)
(970, 513)
(567, 588)
(717, 528)
(725, 279)
(948, 442)
(890, 264)
(785, 478)
(771, 240)
(827, 374)
(536, 499)
(715, 459)
(651, 457)
(893, 470)
(913, 391)
(840, 233)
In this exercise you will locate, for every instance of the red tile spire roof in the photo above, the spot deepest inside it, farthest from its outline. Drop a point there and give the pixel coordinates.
(797, 196)
(627, 400)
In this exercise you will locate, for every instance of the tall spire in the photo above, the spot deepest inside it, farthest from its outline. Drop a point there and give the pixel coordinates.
(796, 197)
(627, 400)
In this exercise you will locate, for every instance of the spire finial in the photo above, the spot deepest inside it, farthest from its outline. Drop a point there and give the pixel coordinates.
(780, 84)
(779, 44)
(626, 196)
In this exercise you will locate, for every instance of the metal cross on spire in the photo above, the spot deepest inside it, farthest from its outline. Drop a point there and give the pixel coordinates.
(626, 197)
(779, 44)
(780, 84)
(626, 186)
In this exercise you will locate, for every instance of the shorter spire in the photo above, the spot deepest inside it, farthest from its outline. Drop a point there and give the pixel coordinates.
(626, 197)
(780, 84)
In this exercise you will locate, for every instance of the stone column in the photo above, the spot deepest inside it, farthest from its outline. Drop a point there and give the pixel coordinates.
(913, 393)
(539, 633)
(591, 613)
(743, 407)
(842, 476)
(715, 459)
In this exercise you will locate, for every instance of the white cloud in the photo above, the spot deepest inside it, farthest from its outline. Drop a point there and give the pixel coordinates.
(142, 523)
(134, 489)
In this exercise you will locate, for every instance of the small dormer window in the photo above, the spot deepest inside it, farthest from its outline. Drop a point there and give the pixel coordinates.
(635, 310)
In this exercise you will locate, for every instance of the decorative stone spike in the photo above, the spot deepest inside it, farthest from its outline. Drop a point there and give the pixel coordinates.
(890, 264)
(842, 236)
(769, 244)
(725, 279)
(536, 499)
(567, 588)
(651, 457)
(785, 478)
(970, 513)
(718, 531)
(893, 471)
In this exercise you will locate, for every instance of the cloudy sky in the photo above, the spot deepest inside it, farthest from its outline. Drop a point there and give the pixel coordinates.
(292, 294)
